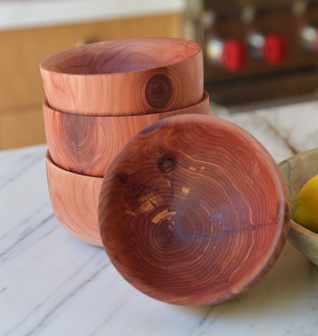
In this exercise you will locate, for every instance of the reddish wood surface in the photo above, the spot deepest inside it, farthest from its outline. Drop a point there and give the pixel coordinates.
(125, 77)
(87, 145)
(74, 200)
(193, 210)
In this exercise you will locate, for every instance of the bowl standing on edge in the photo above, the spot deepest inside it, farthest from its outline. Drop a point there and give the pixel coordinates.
(193, 210)
(125, 77)
(74, 199)
(297, 171)
(88, 144)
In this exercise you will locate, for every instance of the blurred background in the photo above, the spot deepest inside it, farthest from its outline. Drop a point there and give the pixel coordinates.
(257, 53)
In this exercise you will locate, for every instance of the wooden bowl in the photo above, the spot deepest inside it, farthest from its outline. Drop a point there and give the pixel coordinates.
(87, 144)
(125, 77)
(297, 170)
(193, 210)
(74, 200)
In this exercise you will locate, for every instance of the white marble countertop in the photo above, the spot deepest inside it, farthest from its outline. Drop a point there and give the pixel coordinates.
(53, 284)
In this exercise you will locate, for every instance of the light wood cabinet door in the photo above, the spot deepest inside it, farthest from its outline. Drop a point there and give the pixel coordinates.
(21, 89)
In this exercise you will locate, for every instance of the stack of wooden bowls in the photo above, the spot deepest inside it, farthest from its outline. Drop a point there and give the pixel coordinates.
(100, 95)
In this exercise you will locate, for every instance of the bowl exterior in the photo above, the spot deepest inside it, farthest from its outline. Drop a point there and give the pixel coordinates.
(296, 171)
(304, 240)
(160, 89)
(87, 144)
(74, 199)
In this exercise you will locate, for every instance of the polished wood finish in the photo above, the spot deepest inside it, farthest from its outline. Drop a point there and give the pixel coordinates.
(193, 210)
(297, 171)
(74, 200)
(125, 77)
(87, 145)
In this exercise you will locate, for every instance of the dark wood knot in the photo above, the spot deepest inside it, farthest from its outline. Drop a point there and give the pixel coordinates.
(166, 165)
(158, 91)
(123, 178)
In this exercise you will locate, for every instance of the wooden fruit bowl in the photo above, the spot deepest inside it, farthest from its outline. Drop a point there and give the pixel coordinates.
(74, 200)
(87, 144)
(298, 170)
(125, 77)
(193, 210)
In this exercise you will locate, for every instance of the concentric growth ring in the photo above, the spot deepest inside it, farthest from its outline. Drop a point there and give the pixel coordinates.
(200, 213)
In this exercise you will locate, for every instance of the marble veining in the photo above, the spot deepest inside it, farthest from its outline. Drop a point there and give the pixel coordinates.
(301, 130)
(54, 284)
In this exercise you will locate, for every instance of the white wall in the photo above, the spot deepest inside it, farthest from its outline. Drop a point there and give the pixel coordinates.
(34, 13)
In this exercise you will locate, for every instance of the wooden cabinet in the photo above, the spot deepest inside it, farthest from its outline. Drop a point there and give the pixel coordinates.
(21, 89)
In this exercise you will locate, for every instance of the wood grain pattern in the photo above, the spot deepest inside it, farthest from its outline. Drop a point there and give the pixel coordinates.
(125, 77)
(297, 171)
(74, 200)
(87, 144)
(193, 210)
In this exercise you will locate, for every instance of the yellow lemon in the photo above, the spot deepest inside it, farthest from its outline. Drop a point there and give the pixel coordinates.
(306, 208)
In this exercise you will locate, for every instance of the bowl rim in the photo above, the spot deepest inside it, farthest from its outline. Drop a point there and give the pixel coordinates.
(204, 100)
(50, 161)
(43, 66)
(294, 226)
(299, 229)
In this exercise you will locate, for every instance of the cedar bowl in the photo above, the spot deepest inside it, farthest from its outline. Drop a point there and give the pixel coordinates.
(297, 171)
(88, 144)
(74, 199)
(193, 210)
(125, 77)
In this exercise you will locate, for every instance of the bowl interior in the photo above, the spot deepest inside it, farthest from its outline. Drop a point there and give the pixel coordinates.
(121, 56)
(296, 171)
(191, 210)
